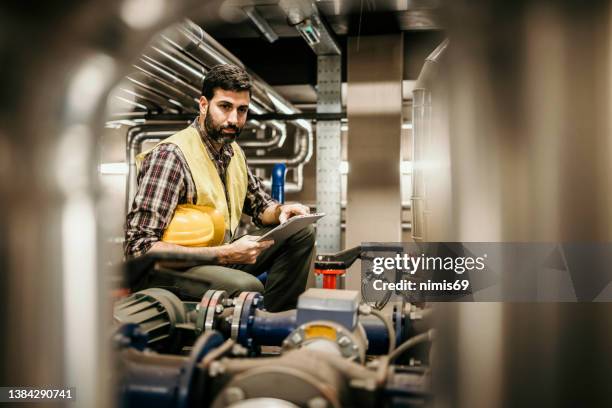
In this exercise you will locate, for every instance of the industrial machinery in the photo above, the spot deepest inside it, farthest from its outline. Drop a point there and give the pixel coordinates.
(331, 351)
(177, 349)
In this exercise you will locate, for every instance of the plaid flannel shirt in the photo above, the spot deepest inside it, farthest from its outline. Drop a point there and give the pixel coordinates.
(165, 181)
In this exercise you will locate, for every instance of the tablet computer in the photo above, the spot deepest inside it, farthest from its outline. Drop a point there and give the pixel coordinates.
(290, 227)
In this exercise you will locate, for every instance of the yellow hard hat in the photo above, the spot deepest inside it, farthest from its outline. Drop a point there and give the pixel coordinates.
(195, 226)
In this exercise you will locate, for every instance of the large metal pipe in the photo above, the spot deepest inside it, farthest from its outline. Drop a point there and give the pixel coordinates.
(203, 48)
(139, 80)
(179, 60)
(422, 145)
(53, 256)
(531, 155)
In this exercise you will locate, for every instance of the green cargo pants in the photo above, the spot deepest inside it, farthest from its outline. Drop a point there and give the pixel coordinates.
(288, 264)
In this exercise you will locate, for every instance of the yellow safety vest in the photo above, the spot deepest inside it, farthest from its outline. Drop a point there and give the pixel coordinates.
(209, 186)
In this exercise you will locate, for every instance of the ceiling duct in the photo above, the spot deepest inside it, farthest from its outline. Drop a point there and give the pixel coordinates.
(305, 17)
(169, 75)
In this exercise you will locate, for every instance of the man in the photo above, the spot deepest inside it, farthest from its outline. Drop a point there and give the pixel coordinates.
(203, 165)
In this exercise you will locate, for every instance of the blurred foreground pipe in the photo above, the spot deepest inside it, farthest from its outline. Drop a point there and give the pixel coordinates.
(54, 272)
(530, 151)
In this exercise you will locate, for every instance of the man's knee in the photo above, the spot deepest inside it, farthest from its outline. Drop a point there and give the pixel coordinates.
(305, 236)
(246, 283)
(309, 231)
(232, 281)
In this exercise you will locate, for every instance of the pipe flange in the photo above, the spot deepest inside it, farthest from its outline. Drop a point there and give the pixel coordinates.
(252, 302)
(244, 308)
(207, 308)
(238, 302)
(202, 346)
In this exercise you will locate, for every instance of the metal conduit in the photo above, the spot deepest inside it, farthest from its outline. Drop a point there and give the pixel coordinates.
(158, 135)
(195, 42)
(201, 46)
(170, 72)
(137, 135)
(279, 135)
(140, 135)
(303, 155)
(158, 86)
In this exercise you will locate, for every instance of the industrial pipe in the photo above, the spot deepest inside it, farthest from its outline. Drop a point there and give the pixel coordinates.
(421, 125)
(138, 134)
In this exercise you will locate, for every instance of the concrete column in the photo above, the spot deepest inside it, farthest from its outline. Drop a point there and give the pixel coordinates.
(374, 109)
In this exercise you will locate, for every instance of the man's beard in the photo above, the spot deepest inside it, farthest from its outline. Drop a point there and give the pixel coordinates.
(216, 133)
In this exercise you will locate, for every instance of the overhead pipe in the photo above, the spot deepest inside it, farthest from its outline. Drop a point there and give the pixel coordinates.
(181, 61)
(279, 135)
(182, 45)
(162, 88)
(174, 59)
(142, 135)
(306, 116)
(260, 23)
(143, 79)
(145, 95)
(195, 42)
(137, 135)
(173, 78)
(156, 75)
(169, 75)
(302, 156)
(173, 70)
(277, 140)
(303, 115)
(198, 44)
(206, 42)
(200, 41)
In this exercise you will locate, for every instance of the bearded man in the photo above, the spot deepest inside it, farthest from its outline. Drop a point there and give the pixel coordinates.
(203, 165)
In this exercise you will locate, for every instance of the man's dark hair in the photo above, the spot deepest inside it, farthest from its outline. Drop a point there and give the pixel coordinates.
(227, 77)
